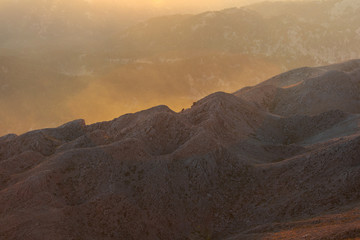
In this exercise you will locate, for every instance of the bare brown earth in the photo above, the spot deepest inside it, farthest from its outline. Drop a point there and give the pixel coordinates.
(280, 160)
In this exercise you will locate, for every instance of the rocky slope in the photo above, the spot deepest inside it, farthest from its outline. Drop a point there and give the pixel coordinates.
(279, 160)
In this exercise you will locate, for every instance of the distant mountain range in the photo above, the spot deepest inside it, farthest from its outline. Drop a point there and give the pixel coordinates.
(23, 22)
(61, 60)
(279, 160)
(293, 33)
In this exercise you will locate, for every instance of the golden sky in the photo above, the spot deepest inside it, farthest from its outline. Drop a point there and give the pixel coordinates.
(161, 7)
(180, 5)
(183, 6)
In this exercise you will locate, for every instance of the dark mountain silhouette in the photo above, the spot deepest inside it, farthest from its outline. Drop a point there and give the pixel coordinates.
(279, 160)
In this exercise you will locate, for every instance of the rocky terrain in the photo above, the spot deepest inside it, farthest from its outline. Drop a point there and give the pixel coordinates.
(279, 160)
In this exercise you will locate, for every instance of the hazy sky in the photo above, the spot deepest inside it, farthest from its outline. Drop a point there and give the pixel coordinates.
(186, 5)
(152, 8)
(176, 6)
(148, 8)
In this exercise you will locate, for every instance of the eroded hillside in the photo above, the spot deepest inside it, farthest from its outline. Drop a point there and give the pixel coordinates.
(279, 160)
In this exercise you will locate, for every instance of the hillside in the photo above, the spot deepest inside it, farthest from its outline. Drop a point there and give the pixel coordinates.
(279, 160)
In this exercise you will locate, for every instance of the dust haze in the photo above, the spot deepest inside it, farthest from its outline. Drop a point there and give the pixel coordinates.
(92, 59)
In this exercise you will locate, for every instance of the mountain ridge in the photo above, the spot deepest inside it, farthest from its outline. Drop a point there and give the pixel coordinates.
(79, 50)
(226, 168)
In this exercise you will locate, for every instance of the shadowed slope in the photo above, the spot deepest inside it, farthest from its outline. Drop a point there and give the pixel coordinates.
(309, 90)
(233, 166)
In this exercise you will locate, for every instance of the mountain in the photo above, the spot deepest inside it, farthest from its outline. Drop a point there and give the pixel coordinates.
(61, 60)
(31, 22)
(279, 160)
(294, 33)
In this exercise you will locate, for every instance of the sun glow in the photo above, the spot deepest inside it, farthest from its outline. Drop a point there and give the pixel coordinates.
(158, 2)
